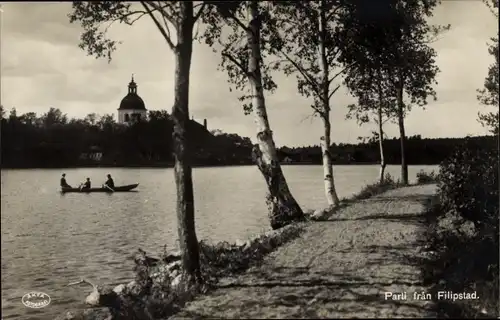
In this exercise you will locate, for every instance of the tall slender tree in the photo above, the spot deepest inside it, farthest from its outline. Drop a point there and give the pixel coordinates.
(373, 105)
(243, 49)
(398, 43)
(309, 52)
(181, 16)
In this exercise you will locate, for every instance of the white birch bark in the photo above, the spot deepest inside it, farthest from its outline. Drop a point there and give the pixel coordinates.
(330, 192)
(283, 208)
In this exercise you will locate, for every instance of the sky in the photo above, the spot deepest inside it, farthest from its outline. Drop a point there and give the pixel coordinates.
(42, 67)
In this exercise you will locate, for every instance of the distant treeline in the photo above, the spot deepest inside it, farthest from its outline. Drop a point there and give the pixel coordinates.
(418, 151)
(53, 140)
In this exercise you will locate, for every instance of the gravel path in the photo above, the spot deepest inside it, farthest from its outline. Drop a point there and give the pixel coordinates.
(341, 268)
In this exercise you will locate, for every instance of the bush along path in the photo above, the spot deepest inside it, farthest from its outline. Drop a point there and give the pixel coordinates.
(363, 261)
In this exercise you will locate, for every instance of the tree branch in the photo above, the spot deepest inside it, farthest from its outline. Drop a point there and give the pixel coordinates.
(309, 116)
(200, 11)
(165, 23)
(339, 73)
(328, 17)
(123, 18)
(333, 92)
(238, 22)
(318, 111)
(332, 54)
(170, 16)
(304, 73)
(137, 18)
(236, 62)
(109, 25)
(165, 34)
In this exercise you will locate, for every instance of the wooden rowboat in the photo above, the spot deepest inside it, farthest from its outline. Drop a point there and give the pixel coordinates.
(126, 188)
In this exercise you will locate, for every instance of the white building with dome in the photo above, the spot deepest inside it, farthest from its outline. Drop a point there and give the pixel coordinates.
(132, 107)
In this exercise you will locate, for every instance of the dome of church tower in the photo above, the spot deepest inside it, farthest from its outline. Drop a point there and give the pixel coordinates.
(132, 101)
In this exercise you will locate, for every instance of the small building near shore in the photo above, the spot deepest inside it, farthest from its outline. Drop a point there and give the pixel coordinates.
(94, 153)
(287, 160)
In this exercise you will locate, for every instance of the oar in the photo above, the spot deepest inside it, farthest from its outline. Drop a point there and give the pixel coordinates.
(109, 188)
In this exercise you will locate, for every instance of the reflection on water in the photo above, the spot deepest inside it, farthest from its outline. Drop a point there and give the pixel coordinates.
(50, 239)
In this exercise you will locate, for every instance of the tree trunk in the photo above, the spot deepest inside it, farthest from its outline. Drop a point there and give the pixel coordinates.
(381, 129)
(182, 169)
(283, 208)
(402, 139)
(381, 144)
(330, 192)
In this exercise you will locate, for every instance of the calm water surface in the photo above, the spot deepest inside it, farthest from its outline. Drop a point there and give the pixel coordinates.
(50, 239)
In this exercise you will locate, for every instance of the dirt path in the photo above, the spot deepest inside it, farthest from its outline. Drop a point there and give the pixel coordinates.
(337, 269)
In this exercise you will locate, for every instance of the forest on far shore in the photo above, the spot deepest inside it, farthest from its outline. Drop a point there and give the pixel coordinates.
(52, 140)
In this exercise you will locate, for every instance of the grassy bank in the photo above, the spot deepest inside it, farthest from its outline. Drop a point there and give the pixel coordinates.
(389, 183)
(370, 190)
(376, 188)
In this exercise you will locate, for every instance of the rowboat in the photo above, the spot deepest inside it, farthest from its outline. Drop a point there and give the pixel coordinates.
(126, 188)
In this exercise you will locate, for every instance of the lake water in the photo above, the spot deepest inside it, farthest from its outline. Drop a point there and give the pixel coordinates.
(50, 239)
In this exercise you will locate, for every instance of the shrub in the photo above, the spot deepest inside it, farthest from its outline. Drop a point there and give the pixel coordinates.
(468, 184)
(424, 177)
(461, 262)
(377, 188)
(466, 261)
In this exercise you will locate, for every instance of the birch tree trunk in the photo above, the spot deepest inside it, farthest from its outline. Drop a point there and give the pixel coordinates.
(330, 192)
(381, 144)
(182, 169)
(381, 129)
(401, 123)
(283, 208)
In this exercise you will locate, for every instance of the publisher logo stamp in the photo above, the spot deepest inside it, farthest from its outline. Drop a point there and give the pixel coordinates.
(36, 300)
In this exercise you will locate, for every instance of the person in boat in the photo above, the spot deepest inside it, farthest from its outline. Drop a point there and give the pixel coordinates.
(85, 185)
(64, 184)
(109, 183)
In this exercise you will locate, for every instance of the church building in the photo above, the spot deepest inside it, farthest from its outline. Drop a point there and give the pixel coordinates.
(132, 107)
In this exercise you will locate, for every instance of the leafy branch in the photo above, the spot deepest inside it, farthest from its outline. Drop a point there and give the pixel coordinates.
(227, 33)
(98, 16)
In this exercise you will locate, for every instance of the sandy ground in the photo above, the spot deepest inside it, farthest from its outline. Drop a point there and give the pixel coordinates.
(340, 268)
